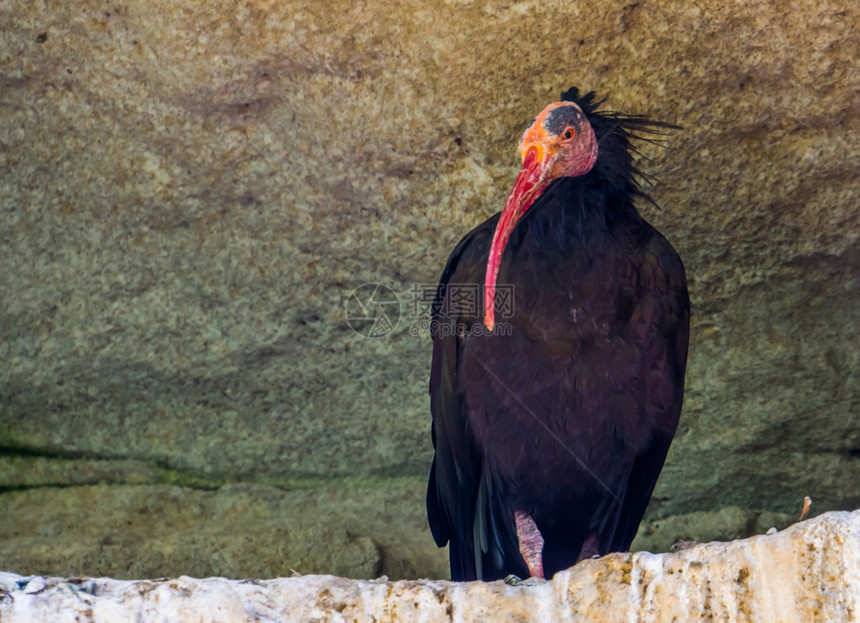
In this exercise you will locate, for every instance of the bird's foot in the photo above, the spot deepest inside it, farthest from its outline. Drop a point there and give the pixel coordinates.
(807, 504)
(513, 580)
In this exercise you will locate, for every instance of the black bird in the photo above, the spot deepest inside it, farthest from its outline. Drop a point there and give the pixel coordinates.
(554, 406)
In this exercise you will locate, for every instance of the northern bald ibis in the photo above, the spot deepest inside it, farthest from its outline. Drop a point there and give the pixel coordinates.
(553, 410)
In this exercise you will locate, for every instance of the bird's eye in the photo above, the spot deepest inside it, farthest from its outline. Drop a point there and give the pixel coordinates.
(568, 134)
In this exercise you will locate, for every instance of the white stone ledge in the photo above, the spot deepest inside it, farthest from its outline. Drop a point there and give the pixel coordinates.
(809, 572)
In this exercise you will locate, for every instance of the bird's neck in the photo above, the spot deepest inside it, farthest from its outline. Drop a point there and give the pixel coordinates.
(571, 210)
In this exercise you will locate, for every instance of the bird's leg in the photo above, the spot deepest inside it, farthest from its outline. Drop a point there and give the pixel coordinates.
(531, 543)
(590, 547)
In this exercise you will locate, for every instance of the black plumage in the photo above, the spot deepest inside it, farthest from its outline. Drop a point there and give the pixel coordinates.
(566, 412)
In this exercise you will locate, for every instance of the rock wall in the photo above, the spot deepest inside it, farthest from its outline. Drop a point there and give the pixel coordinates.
(810, 572)
(191, 191)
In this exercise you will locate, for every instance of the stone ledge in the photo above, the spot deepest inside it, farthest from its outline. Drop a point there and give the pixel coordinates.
(809, 572)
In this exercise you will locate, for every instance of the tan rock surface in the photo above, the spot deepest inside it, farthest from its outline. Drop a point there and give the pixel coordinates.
(190, 191)
(810, 572)
(354, 529)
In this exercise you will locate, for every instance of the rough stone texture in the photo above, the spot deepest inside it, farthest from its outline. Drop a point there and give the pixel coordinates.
(190, 191)
(237, 531)
(808, 573)
(726, 524)
(357, 530)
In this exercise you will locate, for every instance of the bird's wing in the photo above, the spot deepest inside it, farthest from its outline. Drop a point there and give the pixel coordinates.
(660, 325)
(461, 503)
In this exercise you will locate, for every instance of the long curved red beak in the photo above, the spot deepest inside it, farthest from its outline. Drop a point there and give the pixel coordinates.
(530, 183)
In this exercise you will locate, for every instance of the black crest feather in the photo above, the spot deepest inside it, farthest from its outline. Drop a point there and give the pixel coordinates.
(616, 134)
